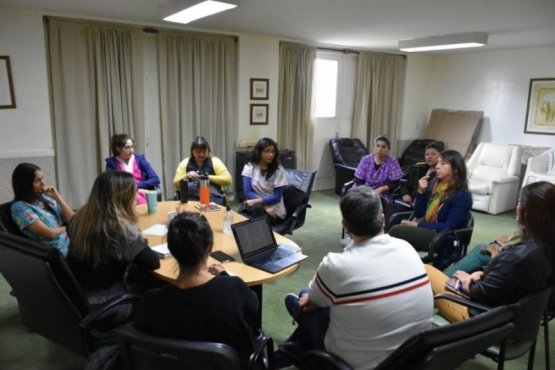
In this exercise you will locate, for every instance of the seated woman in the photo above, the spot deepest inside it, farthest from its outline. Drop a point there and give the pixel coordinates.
(204, 303)
(39, 210)
(106, 240)
(408, 188)
(379, 170)
(202, 162)
(263, 182)
(479, 257)
(122, 146)
(443, 205)
(518, 270)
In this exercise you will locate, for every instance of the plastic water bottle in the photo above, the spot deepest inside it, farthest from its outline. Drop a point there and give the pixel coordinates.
(228, 220)
(184, 187)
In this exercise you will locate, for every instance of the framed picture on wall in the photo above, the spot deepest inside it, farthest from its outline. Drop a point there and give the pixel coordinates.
(7, 96)
(540, 113)
(259, 88)
(259, 114)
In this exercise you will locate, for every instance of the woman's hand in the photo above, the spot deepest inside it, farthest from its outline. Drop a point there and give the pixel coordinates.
(193, 175)
(409, 223)
(423, 184)
(467, 280)
(51, 192)
(250, 202)
(381, 189)
(216, 269)
(272, 212)
(407, 198)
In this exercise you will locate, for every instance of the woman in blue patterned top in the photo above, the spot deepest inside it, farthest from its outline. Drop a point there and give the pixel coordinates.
(38, 209)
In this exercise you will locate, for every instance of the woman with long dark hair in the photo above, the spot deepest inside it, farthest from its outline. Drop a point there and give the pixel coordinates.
(263, 181)
(519, 269)
(443, 205)
(124, 159)
(106, 240)
(204, 303)
(39, 211)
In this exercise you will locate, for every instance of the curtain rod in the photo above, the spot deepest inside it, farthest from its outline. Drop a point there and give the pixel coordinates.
(344, 51)
(146, 29)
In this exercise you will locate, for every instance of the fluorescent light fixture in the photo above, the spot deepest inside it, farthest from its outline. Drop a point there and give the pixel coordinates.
(185, 11)
(458, 41)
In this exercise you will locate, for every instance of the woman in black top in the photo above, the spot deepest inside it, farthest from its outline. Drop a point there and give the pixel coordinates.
(106, 240)
(204, 303)
(518, 270)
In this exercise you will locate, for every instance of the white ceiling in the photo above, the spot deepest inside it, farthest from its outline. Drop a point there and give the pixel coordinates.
(363, 24)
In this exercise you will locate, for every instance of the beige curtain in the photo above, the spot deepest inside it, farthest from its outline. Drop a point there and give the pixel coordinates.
(96, 77)
(198, 89)
(379, 97)
(295, 101)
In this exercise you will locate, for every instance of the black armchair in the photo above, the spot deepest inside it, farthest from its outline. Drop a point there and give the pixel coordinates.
(456, 240)
(346, 154)
(6, 220)
(295, 197)
(139, 351)
(50, 300)
(443, 348)
(414, 153)
(528, 314)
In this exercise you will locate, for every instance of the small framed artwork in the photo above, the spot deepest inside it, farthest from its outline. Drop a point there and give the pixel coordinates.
(7, 96)
(540, 113)
(259, 114)
(259, 88)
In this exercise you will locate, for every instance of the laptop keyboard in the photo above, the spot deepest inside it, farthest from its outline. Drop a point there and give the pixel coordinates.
(266, 258)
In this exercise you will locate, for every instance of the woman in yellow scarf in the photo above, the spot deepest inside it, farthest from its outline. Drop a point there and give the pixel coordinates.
(442, 204)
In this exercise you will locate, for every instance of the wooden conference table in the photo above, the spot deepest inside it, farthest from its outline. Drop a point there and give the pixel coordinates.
(225, 242)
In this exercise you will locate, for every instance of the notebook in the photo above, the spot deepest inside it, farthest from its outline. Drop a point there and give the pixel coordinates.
(258, 248)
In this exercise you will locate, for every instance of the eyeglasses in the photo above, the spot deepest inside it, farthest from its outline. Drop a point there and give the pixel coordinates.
(128, 147)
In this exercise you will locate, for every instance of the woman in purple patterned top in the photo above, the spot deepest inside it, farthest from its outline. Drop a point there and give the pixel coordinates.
(379, 170)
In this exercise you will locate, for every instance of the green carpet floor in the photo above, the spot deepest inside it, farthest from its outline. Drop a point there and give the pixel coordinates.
(320, 235)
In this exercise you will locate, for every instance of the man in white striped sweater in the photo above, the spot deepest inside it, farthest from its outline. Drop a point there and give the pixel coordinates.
(364, 302)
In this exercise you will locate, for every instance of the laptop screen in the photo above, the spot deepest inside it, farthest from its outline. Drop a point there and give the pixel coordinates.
(253, 236)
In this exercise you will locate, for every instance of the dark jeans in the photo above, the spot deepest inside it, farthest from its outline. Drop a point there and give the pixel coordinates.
(312, 327)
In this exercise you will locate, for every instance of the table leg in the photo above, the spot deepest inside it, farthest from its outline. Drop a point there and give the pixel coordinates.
(257, 289)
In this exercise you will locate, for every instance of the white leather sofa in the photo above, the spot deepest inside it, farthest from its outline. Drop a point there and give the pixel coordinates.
(540, 168)
(494, 177)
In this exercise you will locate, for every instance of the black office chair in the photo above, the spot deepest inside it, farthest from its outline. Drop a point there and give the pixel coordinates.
(548, 315)
(295, 197)
(140, 351)
(50, 300)
(346, 154)
(528, 315)
(6, 220)
(457, 240)
(414, 153)
(439, 348)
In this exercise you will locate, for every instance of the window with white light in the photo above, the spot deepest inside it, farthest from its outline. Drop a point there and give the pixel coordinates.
(326, 88)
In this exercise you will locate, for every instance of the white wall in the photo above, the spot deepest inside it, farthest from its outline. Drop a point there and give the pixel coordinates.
(26, 130)
(497, 83)
(258, 58)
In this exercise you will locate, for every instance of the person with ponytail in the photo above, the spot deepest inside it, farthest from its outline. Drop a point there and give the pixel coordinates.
(204, 303)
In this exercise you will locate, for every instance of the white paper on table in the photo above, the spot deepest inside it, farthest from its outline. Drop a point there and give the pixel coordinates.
(158, 229)
(162, 250)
